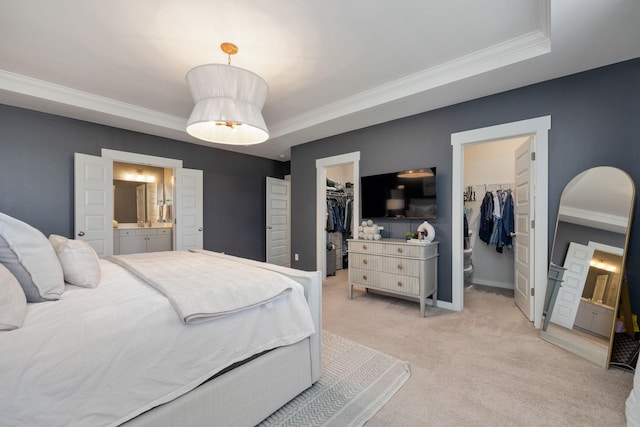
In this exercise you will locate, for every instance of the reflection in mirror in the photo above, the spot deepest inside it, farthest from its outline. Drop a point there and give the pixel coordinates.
(587, 263)
(142, 194)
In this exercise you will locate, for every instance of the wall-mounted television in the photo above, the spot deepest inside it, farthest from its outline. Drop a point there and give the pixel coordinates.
(409, 194)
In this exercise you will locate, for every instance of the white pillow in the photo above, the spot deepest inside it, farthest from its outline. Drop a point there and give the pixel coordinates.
(13, 303)
(29, 256)
(80, 263)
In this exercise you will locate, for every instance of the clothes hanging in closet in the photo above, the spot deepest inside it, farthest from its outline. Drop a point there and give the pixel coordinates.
(486, 218)
(508, 221)
(339, 214)
(497, 219)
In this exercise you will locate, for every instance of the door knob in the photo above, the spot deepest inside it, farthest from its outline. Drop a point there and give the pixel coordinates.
(199, 228)
(81, 233)
(268, 227)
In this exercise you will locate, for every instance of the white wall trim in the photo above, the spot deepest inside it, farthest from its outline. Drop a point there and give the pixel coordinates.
(41, 89)
(141, 159)
(321, 202)
(539, 128)
(493, 284)
(605, 248)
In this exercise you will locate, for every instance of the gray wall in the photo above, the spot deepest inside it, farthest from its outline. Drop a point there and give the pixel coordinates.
(36, 176)
(595, 119)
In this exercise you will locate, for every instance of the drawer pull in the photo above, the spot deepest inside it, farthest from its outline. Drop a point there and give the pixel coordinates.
(399, 283)
(364, 277)
(364, 247)
(399, 250)
(364, 261)
(400, 266)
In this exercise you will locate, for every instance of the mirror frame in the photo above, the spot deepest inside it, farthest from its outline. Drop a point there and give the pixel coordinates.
(570, 339)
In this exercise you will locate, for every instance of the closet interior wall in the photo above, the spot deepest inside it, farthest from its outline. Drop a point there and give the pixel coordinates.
(489, 166)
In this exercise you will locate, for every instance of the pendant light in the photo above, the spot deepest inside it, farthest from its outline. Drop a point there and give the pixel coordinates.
(228, 103)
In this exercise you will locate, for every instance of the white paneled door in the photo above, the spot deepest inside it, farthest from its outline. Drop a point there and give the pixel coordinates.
(577, 264)
(524, 238)
(188, 209)
(278, 214)
(93, 192)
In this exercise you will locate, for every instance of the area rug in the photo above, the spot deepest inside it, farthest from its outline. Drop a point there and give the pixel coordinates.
(356, 382)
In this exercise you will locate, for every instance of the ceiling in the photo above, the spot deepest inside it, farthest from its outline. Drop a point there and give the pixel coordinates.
(332, 66)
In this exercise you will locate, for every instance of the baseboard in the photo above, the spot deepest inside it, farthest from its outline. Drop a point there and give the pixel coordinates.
(491, 283)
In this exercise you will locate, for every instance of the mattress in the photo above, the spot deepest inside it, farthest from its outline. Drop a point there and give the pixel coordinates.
(102, 356)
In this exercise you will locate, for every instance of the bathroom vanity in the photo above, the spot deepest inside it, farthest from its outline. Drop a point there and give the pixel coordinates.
(131, 238)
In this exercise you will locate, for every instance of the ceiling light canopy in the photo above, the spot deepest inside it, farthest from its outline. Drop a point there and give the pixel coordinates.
(228, 103)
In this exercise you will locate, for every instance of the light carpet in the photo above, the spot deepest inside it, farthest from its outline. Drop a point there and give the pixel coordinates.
(356, 382)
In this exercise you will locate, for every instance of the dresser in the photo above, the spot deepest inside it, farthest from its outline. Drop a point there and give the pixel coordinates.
(407, 269)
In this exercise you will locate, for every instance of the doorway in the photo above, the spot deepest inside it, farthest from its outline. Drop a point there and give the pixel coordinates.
(538, 128)
(94, 210)
(353, 160)
(489, 167)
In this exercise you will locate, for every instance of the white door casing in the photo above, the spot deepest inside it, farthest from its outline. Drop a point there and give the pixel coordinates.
(539, 128)
(568, 301)
(524, 242)
(188, 199)
(321, 202)
(188, 226)
(278, 224)
(93, 205)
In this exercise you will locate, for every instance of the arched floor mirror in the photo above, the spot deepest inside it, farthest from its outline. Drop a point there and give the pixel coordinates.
(587, 263)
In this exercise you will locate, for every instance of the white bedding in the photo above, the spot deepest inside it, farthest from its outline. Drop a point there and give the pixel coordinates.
(102, 356)
(201, 285)
(632, 409)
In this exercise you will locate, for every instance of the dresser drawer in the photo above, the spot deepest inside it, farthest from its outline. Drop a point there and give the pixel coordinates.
(397, 283)
(367, 246)
(385, 281)
(411, 251)
(402, 266)
(360, 276)
(367, 261)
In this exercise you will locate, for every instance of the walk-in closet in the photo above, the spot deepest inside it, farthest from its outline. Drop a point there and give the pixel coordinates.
(489, 202)
(339, 213)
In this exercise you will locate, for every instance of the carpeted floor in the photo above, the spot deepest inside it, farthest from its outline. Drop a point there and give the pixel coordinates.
(356, 382)
(485, 366)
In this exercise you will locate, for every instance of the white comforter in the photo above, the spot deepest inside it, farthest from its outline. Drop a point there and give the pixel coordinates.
(632, 410)
(102, 356)
(203, 285)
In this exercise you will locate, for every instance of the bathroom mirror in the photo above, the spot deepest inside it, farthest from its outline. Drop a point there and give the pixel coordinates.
(587, 263)
(142, 194)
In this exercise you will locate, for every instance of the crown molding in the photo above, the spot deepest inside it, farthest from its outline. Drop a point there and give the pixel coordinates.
(604, 221)
(41, 89)
(518, 49)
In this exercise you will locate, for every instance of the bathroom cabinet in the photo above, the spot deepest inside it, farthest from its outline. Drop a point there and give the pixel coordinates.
(137, 240)
(595, 318)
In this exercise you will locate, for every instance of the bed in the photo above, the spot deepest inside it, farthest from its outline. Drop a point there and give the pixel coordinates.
(114, 349)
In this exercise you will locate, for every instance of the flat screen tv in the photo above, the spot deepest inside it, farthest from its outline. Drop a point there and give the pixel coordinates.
(409, 194)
